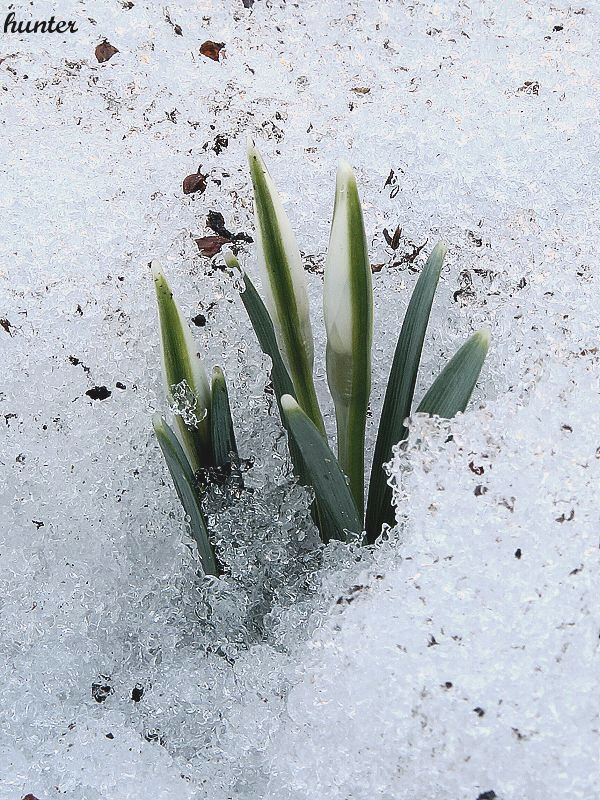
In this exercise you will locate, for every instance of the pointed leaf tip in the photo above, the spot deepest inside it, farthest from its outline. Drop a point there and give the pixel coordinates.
(229, 259)
(344, 173)
(483, 336)
(441, 248)
(288, 403)
(157, 421)
(450, 392)
(157, 271)
(253, 153)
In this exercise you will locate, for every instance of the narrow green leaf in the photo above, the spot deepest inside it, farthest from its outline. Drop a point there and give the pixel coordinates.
(284, 284)
(348, 310)
(400, 391)
(451, 390)
(184, 374)
(223, 436)
(334, 498)
(183, 479)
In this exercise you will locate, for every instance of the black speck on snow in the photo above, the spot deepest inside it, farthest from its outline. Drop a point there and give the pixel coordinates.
(100, 691)
(489, 795)
(99, 393)
(137, 693)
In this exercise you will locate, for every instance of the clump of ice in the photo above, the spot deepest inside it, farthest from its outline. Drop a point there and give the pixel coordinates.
(454, 661)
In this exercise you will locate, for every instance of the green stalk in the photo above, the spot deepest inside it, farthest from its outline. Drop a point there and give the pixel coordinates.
(334, 499)
(282, 383)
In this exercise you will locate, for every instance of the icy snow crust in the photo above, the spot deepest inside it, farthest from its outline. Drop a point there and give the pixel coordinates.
(455, 661)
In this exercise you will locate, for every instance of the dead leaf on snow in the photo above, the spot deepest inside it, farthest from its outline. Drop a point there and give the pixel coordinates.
(105, 51)
(211, 49)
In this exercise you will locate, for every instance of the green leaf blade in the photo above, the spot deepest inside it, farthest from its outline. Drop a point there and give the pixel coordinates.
(335, 501)
(185, 486)
(450, 392)
(400, 391)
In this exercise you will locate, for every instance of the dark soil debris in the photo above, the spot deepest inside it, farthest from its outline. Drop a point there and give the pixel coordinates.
(176, 28)
(393, 239)
(530, 87)
(220, 143)
(78, 363)
(351, 596)
(6, 325)
(155, 736)
(100, 691)
(216, 222)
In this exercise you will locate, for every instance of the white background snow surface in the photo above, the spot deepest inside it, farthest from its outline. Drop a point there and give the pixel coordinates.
(455, 660)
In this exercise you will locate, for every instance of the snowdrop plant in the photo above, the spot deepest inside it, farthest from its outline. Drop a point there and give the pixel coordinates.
(348, 314)
(205, 436)
(205, 439)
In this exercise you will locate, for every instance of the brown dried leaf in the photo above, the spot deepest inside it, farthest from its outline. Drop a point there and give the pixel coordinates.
(211, 49)
(105, 51)
(194, 183)
(209, 246)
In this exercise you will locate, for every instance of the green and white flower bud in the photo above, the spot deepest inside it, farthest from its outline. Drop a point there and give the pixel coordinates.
(186, 381)
(348, 310)
(284, 284)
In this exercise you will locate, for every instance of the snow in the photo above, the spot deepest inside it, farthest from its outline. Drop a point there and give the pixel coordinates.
(455, 661)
